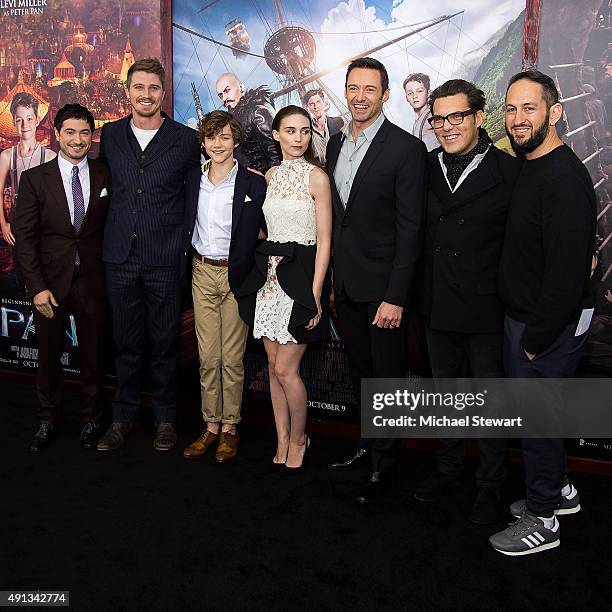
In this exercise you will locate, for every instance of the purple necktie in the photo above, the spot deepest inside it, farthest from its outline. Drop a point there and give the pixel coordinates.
(79, 205)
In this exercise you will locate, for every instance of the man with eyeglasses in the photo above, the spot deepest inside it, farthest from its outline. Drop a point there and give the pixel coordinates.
(470, 184)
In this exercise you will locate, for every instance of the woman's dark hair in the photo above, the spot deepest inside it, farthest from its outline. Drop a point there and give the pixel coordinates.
(285, 112)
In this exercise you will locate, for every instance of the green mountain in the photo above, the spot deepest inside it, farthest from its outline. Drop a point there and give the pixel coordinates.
(502, 61)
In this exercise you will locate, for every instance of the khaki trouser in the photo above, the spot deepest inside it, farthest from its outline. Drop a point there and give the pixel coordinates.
(222, 336)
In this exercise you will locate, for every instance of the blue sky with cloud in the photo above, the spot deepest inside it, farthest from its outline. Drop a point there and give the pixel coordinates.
(342, 29)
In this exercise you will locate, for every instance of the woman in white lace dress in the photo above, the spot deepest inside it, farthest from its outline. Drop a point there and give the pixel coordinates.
(284, 297)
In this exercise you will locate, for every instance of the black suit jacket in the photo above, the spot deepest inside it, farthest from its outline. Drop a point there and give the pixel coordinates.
(334, 125)
(463, 244)
(247, 219)
(149, 191)
(45, 238)
(377, 238)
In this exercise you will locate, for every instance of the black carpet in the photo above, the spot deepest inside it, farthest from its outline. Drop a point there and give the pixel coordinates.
(139, 530)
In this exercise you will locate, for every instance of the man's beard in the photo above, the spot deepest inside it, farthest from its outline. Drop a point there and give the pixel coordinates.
(531, 144)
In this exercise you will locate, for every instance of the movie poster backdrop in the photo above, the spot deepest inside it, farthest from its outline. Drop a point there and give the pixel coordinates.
(575, 48)
(53, 52)
(255, 58)
(270, 54)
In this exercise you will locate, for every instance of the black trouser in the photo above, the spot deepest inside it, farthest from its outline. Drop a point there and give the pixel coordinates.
(144, 299)
(457, 355)
(372, 353)
(544, 459)
(51, 336)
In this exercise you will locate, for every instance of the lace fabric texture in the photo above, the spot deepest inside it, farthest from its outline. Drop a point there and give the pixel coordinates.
(290, 216)
(289, 207)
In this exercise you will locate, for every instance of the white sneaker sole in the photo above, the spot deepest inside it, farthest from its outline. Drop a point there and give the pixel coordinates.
(531, 551)
(560, 511)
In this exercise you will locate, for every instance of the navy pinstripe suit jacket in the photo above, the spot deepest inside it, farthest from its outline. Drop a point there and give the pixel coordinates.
(148, 200)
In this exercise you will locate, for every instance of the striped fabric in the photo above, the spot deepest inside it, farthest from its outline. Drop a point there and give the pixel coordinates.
(148, 199)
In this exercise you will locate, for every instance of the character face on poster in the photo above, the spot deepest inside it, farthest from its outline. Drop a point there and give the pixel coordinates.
(416, 88)
(255, 111)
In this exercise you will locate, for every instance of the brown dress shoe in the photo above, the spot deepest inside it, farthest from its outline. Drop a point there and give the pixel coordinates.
(114, 436)
(228, 447)
(205, 440)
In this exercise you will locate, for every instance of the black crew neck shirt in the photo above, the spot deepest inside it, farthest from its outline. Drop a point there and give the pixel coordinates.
(549, 242)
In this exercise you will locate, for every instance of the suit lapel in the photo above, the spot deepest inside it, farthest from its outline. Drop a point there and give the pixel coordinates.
(95, 188)
(241, 187)
(120, 138)
(481, 179)
(438, 183)
(56, 187)
(335, 144)
(372, 153)
(160, 143)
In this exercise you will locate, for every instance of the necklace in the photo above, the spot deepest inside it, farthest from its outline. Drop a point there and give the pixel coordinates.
(31, 156)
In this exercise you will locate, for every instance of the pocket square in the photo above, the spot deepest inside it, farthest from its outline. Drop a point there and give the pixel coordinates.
(103, 193)
(247, 199)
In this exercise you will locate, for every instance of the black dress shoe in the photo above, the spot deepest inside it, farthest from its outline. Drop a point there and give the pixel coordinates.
(165, 436)
(487, 507)
(43, 436)
(359, 457)
(435, 487)
(90, 435)
(376, 488)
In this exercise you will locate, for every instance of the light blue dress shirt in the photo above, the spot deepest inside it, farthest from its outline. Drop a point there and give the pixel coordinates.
(351, 156)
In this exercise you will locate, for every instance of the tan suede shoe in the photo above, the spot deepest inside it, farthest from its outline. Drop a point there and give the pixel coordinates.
(228, 447)
(204, 441)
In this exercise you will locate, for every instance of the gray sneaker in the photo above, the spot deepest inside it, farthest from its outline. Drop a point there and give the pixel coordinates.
(569, 504)
(526, 536)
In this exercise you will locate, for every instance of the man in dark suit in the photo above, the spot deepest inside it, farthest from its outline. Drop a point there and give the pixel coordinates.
(225, 209)
(470, 186)
(145, 249)
(378, 192)
(59, 228)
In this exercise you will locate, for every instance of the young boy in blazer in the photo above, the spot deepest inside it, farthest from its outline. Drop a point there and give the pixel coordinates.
(225, 207)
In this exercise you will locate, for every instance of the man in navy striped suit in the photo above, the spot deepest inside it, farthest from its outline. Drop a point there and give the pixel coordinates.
(146, 242)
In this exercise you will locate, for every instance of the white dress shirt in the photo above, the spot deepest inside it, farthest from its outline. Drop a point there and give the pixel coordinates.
(66, 171)
(213, 228)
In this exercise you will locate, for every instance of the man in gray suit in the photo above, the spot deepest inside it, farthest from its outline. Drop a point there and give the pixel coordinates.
(146, 242)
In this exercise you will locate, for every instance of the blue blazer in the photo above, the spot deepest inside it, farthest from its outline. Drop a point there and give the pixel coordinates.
(247, 219)
(148, 200)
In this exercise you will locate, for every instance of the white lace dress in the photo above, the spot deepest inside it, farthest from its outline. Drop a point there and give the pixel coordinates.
(290, 216)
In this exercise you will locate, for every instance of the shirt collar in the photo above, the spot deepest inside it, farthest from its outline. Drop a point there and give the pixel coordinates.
(369, 132)
(228, 179)
(66, 167)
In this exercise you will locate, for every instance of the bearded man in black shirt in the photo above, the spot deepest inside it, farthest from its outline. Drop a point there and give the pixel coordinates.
(545, 285)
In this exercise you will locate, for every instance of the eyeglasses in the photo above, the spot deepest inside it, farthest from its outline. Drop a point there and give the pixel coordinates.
(437, 121)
